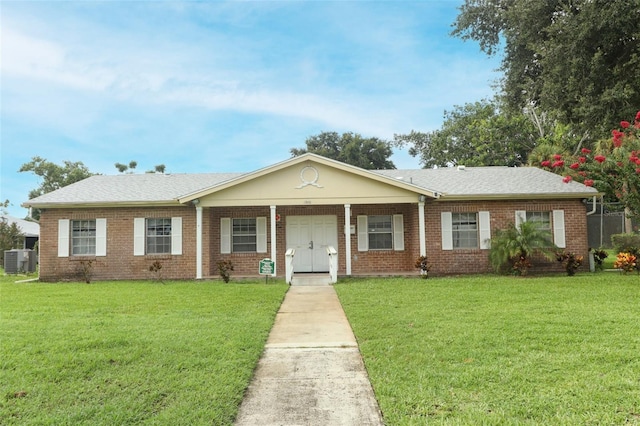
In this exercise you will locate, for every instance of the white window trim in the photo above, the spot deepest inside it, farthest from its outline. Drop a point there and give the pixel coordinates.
(484, 230)
(558, 228)
(140, 236)
(397, 232)
(64, 237)
(226, 235)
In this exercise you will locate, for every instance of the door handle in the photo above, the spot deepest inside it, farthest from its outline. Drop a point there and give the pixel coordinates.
(311, 244)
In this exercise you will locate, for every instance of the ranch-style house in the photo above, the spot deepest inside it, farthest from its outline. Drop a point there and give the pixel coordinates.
(307, 214)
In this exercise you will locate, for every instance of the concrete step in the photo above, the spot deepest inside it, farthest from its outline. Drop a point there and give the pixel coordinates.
(310, 279)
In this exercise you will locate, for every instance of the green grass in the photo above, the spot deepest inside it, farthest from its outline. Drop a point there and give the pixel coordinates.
(130, 352)
(501, 350)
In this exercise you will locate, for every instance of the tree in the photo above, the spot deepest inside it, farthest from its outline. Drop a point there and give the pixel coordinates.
(612, 167)
(53, 176)
(512, 248)
(350, 148)
(579, 59)
(10, 237)
(475, 134)
(129, 168)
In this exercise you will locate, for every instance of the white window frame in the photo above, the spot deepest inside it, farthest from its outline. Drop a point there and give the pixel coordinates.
(483, 220)
(396, 232)
(226, 235)
(557, 227)
(65, 238)
(141, 234)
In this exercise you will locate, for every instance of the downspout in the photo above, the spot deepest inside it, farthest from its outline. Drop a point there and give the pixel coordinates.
(593, 210)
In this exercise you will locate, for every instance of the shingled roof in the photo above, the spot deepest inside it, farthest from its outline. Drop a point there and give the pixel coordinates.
(491, 182)
(456, 183)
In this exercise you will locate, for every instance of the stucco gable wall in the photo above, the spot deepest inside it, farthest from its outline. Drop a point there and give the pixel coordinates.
(308, 183)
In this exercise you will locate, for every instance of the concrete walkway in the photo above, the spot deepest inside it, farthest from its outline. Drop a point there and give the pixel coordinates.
(311, 372)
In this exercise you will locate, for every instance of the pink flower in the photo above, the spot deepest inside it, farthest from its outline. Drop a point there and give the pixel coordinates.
(588, 182)
(557, 157)
(586, 151)
(600, 158)
(625, 124)
(575, 166)
(559, 163)
(567, 179)
(582, 173)
(582, 159)
(617, 138)
(638, 116)
(545, 163)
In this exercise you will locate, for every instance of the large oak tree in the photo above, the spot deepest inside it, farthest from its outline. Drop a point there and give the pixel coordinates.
(350, 148)
(577, 59)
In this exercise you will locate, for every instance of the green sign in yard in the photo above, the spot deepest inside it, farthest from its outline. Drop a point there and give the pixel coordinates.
(266, 267)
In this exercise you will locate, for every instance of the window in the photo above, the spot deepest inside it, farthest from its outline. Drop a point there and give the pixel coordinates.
(541, 219)
(465, 230)
(244, 235)
(83, 237)
(380, 230)
(551, 221)
(158, 236)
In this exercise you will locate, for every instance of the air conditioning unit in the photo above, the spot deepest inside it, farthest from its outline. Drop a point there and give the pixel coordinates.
(20, 261)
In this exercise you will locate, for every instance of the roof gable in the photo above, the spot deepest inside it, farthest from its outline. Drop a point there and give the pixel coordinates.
(308, 179)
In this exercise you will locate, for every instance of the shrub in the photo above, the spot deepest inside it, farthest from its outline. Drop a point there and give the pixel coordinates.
(570, 261)
(85, 270)
(599, 256)
(625, 262)
(156, 270)
(224, 268)
(512, 248)
(626, 243)
(421, 263)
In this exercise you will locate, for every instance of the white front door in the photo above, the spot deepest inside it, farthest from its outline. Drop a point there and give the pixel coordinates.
(310, 236)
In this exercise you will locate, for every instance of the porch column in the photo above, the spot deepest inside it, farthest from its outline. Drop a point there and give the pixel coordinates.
(273, 239)
(347, 237)
(198, 242)
(422, 233)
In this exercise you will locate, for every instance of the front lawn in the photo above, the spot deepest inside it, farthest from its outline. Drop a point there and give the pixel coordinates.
(130, 352)
(500, 350)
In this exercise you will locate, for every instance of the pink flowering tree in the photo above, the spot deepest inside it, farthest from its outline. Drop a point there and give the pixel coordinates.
(612, 167)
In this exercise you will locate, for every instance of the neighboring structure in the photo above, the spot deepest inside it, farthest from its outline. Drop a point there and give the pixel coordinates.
(30, 230)
(379, 222)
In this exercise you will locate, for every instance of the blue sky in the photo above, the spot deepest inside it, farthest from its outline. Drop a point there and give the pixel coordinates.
(221, 86)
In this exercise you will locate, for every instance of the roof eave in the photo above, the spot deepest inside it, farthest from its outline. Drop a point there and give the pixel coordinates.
(103, 204)
(502, 197)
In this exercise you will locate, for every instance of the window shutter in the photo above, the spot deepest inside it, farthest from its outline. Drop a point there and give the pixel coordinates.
(225, 235)
(521, 216)
(139, 231)
(363, 233)
(558, 229)
(63, 238)
(446, 225)
(398, 232)
(485, 230)
(101, 237)
(176, 236)
(261, 234)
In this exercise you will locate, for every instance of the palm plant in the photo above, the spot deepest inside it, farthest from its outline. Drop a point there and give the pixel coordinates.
(513, 247)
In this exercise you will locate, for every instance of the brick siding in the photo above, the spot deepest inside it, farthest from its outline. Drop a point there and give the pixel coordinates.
(119, 263)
